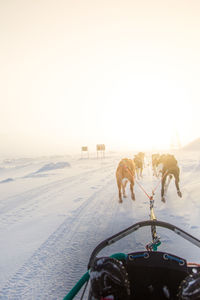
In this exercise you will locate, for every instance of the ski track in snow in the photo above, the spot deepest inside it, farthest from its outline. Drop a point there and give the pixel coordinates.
(61, 252)
(56, 265)
(65, 233)
(26, 204)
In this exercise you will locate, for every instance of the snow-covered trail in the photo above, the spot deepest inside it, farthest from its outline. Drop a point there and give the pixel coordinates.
(58, 224)
(41, 210)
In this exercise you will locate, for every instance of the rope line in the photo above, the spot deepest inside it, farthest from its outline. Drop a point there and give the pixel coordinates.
(155, 239)
(150, 197)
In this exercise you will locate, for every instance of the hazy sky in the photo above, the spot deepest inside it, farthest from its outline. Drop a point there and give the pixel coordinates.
(82, 72)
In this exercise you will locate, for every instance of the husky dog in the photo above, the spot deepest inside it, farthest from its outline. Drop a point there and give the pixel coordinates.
(125, 170)
(139, 163)
(155, 158)
(169, 169)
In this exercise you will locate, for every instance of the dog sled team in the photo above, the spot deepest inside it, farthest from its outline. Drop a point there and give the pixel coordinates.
(148, 274)
(164, 166)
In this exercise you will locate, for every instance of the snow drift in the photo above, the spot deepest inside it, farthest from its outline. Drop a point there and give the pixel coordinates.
(53, 166)
(193, 146)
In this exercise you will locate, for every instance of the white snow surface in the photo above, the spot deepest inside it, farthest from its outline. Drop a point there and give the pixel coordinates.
(55, 210)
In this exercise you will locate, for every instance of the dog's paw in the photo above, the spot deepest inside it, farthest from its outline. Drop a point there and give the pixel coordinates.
(179, 194)
(163, 199)
(120, 201)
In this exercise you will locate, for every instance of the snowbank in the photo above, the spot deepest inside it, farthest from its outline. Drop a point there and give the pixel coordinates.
(7, 180)
(53, 166)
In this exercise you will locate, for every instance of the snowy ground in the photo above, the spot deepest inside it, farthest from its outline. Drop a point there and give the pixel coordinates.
(55, 210)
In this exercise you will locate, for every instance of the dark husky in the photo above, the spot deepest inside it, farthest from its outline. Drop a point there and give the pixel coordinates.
(169, 169)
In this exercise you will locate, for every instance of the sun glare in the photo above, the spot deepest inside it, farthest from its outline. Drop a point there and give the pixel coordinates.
(147, 121)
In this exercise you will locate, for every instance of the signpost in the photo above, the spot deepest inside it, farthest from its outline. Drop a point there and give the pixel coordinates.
(101, 148)
(84, 149)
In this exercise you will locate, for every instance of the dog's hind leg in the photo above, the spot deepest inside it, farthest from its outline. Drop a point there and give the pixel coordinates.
(119, 184)
(154, 171)
(163, 188)
(137, 173)
(131, 188)
(124, 188)
(168, 182)
(176, 176)
(141, 170)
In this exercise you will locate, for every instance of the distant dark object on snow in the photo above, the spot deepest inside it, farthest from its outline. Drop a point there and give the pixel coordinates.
(193, 146)
(7, 180)
(53, 166)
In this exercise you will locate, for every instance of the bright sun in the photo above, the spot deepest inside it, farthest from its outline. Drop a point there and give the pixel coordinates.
(144, 124)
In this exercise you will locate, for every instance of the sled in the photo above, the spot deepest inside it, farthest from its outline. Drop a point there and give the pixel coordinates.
(152, 274)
